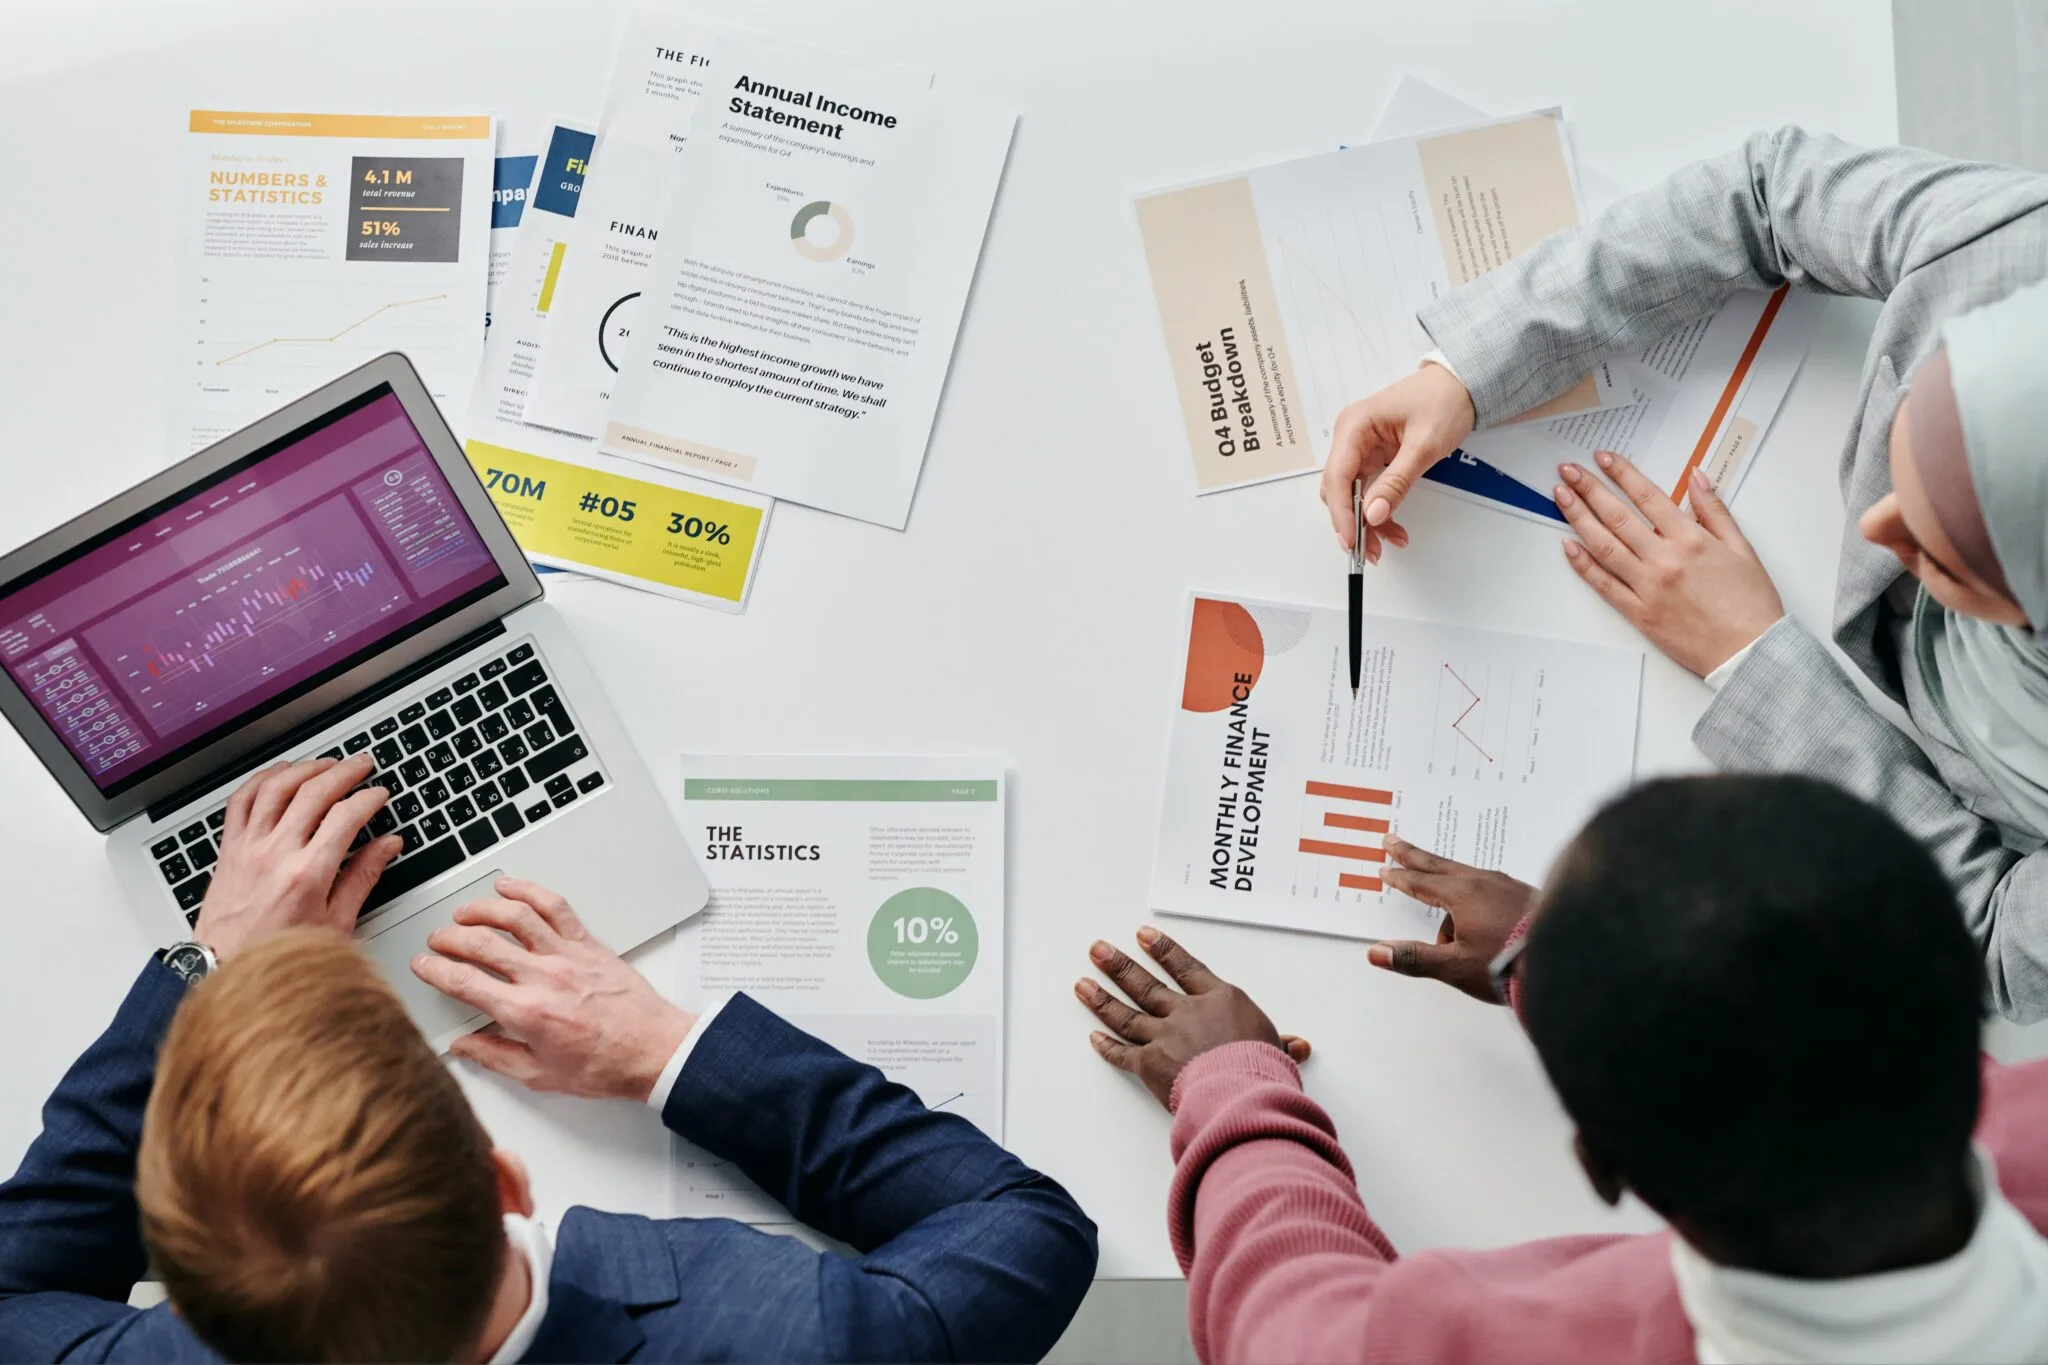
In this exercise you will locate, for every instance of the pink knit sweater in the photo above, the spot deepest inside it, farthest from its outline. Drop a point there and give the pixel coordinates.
(1285, 1265)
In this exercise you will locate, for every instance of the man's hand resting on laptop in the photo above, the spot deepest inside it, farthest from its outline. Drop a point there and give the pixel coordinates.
(284, 859)
(572, 1015)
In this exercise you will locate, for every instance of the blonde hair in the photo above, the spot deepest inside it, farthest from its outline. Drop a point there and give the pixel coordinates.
(313, 1184)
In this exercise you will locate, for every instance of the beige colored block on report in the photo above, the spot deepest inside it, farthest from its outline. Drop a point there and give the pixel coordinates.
(1496, 191)
(693, 456)
(1734, 449)
(1219, 311)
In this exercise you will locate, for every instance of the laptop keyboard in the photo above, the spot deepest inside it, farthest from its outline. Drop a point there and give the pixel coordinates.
(475, 761)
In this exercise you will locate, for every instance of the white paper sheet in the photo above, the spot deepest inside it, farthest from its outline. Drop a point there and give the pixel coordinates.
(1486, 747)
(810, 279)
(538, 250)
(515, 458)
(511, 182)
(862, 900)
(1707, 393)
(310, 244)
(1290, 290)
(663, 60)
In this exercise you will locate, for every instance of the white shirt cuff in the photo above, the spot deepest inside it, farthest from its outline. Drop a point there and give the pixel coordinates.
(1440, 359)
(1718, 679)
(665, 1083)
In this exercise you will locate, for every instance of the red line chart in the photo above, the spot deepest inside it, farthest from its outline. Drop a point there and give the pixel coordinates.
(1458, 725)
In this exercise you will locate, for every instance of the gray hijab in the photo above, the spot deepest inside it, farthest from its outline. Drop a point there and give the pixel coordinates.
(1990, 682)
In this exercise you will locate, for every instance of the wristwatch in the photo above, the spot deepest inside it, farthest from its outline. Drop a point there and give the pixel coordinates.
(191, 961)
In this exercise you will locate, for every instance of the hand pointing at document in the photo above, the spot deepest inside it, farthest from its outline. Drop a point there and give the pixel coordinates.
(1387, 441)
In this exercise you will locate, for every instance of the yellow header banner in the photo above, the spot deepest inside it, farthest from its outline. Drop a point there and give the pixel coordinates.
(337, 125)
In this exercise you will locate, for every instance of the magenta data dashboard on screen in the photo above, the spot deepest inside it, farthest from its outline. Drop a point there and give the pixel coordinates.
(268, 576)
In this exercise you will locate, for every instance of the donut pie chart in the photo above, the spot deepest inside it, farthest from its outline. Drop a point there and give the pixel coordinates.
(799, 227)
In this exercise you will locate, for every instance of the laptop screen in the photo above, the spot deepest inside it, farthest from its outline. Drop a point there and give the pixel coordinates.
(220, 603)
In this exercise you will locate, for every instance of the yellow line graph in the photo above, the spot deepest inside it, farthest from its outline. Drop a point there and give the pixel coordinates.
(275, 341)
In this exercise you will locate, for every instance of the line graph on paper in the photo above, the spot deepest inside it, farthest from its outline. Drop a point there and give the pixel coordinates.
(379, 311)
(1338, 274)
(1487, 721)
(264, 340)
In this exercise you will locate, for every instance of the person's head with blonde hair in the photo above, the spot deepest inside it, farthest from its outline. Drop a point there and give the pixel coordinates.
(313, 1184)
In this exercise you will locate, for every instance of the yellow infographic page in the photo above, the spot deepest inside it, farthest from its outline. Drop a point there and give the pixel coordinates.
(311, 243)
(1289, 291)
(580, 513)
(1281, 787)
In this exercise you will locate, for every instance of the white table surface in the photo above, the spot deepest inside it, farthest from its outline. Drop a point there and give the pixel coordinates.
(1031, 610)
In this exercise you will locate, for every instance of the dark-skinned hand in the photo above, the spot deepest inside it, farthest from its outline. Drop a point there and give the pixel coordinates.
(1170, 1028)
(1481, 909)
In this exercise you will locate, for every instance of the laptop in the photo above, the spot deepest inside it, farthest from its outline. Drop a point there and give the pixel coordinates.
(334, 580)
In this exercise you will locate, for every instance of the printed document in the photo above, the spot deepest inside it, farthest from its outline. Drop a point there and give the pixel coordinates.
(1486, 747)
(570, 505)
(1701, 397)
(601, 274)
(862, 900)
(809, 280)
(518, 311)
(314, 242)
(511, 179)
(1291, 290)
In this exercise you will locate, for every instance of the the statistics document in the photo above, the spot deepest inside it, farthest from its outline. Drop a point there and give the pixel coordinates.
(597, 280)
(809, 280)
(1290, 290)
(1477, 745)
(862, 900)
(311, 243)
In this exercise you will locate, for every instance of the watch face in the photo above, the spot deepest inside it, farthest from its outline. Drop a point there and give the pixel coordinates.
(187, 960)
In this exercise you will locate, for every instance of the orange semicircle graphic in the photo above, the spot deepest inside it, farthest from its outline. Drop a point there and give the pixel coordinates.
(1224, 645)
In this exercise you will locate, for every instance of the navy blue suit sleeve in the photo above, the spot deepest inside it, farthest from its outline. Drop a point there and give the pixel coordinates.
(68, 1220)
(955, 1234)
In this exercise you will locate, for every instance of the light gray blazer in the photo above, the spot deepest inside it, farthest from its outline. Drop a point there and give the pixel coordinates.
(1932, 238)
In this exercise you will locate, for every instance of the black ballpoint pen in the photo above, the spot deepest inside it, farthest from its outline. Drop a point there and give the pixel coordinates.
(1357, 583)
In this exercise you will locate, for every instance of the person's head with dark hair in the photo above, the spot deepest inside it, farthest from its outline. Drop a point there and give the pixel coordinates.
(1757, 1000)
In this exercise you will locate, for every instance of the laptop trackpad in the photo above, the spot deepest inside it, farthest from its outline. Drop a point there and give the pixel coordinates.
(393, 949)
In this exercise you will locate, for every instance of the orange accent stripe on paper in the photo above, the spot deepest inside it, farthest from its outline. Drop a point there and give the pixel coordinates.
(1372, 796)
(1756, 342)
(1355, 883)
(336, 125)
(1329, 850)
(1366, 823)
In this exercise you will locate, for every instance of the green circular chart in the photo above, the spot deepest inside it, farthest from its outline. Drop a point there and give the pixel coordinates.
(800, 228)
(922, 943)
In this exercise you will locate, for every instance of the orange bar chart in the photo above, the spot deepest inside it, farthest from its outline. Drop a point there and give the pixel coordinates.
(1338, 824)
(1365, 823)
(1371, 796)
(1364, 853)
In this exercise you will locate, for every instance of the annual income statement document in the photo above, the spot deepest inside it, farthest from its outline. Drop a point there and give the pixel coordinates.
(311, 243)
(809, 281)
(862, 900)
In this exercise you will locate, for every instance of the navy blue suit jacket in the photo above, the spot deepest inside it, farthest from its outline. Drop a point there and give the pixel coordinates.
(964, 1253)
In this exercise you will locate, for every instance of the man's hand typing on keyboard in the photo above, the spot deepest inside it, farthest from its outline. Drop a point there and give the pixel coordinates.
(572, 1015)
(284, 857)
